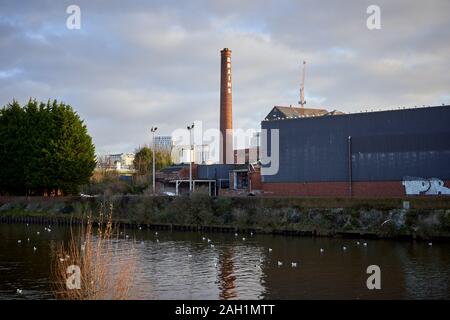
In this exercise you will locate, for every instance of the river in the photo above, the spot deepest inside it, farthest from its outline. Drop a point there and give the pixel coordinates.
(181, 265)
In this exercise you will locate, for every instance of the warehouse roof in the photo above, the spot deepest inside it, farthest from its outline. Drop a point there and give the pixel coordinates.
(280, 112)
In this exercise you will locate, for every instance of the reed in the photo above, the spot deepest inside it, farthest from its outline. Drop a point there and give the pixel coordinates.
(107, 263)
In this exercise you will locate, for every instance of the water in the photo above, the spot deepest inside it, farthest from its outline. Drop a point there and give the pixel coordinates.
(182, 266)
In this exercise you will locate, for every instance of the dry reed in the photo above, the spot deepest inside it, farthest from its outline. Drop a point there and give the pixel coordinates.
(106, 262)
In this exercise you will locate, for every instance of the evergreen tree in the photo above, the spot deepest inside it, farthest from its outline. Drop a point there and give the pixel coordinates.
(44, 148)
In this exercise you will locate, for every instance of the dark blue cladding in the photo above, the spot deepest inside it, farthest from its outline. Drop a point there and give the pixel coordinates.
(385, 146)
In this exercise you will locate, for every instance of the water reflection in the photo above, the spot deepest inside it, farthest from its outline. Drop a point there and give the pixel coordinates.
(176, 265)
(226, 274)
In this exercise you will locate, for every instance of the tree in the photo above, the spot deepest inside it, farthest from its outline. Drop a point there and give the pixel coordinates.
(44, 149)
(143, 160)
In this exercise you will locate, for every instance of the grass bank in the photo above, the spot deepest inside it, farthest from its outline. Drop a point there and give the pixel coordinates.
(426, 218)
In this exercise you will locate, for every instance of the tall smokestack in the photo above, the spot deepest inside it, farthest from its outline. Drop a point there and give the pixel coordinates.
(226, 107)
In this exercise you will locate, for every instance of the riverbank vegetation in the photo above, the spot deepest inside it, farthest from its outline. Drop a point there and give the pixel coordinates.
(426, 218)
(104, 265)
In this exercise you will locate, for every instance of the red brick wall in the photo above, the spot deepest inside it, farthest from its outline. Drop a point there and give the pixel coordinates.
(337, 189)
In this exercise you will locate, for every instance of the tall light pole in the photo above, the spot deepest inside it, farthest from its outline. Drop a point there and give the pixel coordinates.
(190, 156)
(153, 129)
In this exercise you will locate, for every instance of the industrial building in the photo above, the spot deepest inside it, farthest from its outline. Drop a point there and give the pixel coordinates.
(372, 154)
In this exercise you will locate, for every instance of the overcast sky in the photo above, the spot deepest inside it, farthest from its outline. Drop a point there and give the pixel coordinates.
(134, 64)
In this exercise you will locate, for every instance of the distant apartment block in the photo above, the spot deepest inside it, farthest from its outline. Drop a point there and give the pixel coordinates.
(163, 142)
(118, 161)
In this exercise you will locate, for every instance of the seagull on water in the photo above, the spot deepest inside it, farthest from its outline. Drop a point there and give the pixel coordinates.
(243, 239)
(270, 249)
(209, 240)
(34, 248)
(344, 248)
(365, 244)
(203, 238)
(189, 255)
(19, 241)
(19, 291)
(156, 233)
(321, 250)
(357, 243)
(280, 263)
(212, 246)
(430, 244)
(38, 233)
(28, 239)
(294, 264)
(251, 234)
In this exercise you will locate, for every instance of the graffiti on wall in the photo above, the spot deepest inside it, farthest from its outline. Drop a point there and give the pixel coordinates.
(421, 186)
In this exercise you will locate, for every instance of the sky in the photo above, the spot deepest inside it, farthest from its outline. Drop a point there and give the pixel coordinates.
(135, 64)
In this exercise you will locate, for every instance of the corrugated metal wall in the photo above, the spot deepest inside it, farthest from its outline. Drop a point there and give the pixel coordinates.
(385, 146)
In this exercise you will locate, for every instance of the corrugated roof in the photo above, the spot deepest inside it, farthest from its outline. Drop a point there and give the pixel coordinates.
(296, 112)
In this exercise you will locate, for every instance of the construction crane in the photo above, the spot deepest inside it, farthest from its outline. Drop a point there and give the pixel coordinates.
(302, 101)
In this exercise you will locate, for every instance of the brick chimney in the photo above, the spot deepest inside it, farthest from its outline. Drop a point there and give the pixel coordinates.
(226, 107)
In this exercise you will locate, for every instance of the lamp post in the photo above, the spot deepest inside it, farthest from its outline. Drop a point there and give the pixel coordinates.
(190, 156)
(153, 129)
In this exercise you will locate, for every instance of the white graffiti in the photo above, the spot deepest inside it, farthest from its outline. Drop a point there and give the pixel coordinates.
(418, 186)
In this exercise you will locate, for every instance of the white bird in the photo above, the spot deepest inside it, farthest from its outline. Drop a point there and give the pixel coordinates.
(203, 238)
(280, 263)
(357, 243)
(215, 264)
(38, 233)
(235, 234)
(270, 249)
(212, 246)
(61, 259)
(156, 233)
(28, 239)
(321, 250)
(27, 224)
(293, 264)
(365, 244)
(344, 248)
(157, 240)
(189, 255)
(251, 234)
(140, 228)
(430, 244)
(127, 236)
(34, 248)
(49, 230)
(19, 291)
(209, 240)
(243, 239)
(19, 241)
(45, 229)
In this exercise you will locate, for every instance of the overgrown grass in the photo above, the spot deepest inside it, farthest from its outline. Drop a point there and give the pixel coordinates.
(106, 263)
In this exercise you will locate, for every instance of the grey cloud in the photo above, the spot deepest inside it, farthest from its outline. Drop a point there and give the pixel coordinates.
(141, 63)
